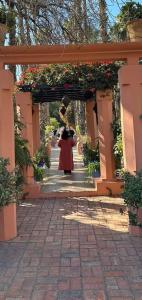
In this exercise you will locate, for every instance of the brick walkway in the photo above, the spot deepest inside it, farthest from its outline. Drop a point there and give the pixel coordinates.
(71, 249)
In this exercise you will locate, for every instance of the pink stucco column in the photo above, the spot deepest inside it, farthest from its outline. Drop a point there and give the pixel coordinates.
(104, 104)
(91, 122)
(130, 78)
(8, 228)
(36, 127)
(7, 143)
(24, 101)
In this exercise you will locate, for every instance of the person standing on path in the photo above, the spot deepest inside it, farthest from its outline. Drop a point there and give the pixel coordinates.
(66, 157)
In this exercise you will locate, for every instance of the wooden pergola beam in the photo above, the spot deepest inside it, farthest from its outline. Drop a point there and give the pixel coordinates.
(43, 54)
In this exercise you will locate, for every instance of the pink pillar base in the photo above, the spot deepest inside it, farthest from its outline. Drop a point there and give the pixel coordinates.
(106, 187)
(8, 229)
(31, 190)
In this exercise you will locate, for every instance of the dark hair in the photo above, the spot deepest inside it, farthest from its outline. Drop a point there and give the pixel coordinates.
(71, 132)
(65, 134)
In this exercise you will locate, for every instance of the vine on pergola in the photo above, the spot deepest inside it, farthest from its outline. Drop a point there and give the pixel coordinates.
(98, 76)
(88, 78)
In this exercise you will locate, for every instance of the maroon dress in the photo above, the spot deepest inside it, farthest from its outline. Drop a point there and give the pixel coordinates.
(66, 155)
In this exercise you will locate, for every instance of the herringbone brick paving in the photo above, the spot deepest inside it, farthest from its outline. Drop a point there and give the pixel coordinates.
(71, 249)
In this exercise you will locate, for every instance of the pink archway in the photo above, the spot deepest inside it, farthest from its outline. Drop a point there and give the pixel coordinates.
(130, 79)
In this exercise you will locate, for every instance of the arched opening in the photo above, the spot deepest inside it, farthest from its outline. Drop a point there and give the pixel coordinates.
(130, 81)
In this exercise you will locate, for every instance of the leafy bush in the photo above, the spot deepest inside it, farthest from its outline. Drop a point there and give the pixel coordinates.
(22, 154)
(93, 167)
(9, 185)
(40, 159)
(129, 12)
(90, 155)
(3, 14)
(38, 173)
(132, 193)
(118, 151)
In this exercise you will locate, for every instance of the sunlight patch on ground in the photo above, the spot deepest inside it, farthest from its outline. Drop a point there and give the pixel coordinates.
(95, 220)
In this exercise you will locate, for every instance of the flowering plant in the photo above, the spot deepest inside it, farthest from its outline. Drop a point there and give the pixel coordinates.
(85, 77)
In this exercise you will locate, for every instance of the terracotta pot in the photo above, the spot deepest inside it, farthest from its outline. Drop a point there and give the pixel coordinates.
(8, 228)
(135, 230)
(134, 30)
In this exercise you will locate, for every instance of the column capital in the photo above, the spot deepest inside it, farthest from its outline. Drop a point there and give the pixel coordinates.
(6, 80)
(130, 74)
(104, 95)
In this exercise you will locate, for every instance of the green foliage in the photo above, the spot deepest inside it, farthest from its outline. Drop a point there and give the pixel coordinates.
(132, 193)
(54, 110)
(10, 188)
(118, 151)
(41, 158)
(98, 76)
(3, 14)
(118, 146)
(38, 173)
(132, 218)
(70, 115)
(7, 16)
(77, 130)
(129, 12)
(116, 127)
(11, 18)
(22, 154)
(93, 167)
(90, 155)
(54, 124)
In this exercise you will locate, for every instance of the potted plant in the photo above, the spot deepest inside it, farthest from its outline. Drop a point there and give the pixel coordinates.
(40, 160)
(132, 195)
(9, 193)
(130, 20)
(93, 169)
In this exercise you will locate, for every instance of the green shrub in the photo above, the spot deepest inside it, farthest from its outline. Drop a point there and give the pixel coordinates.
(10, 188)
(90, 155)
(93, 167)
(40, 159)
(132, 193)
(22, 154)
(38, 173)
(3, 14)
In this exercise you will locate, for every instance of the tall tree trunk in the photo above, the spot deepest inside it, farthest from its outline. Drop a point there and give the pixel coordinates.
(103, 19)
(12, 33)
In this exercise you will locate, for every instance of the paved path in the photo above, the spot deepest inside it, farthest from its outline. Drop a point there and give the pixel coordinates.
(56, 181)
(71, 249)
